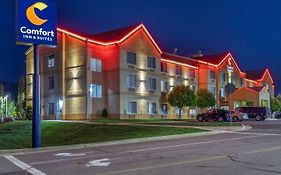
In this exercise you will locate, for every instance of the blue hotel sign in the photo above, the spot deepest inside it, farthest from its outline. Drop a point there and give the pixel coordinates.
(36, 22)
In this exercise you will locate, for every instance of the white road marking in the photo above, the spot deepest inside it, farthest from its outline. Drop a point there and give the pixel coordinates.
(146, 149)
(69, 154)
(24, 166)
(100, 162)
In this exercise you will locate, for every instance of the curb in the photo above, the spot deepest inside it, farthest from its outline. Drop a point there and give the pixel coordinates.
(109, 143)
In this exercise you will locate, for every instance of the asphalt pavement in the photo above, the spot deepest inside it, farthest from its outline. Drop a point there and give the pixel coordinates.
(253, 152)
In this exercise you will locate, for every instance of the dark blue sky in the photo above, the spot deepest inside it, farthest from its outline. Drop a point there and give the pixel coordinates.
(250, 29)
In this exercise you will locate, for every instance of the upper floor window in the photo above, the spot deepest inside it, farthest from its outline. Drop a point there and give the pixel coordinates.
(178, 70)
(152, 83)
(242, 82)
(95, 91)
(151, 62)
(223, 77)
(164, 86)
(51, 82)
(163, 67)
(132, 58)
(212, 75)
(131, 81)
(191, 73)
(51, 61)
(95, 65)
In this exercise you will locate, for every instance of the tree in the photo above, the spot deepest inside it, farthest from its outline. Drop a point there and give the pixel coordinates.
(181, 96)
(205, 99)
(275, 104)
(21, 105)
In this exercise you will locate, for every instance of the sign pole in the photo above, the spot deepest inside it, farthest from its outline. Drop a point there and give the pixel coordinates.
(36, 117)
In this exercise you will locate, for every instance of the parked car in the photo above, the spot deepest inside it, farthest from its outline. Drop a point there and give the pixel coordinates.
(278, 114)
(238, 116)
(257, 113)
(220, 115)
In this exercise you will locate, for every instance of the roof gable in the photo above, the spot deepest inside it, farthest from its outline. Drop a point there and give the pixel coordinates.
(172, 58)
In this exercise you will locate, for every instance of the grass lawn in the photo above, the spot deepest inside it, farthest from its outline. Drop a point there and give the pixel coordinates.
(18, 134)
(194, 123)
(133, 120)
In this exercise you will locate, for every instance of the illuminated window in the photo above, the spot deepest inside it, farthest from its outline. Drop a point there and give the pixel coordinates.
(95, 65)
(51, 61)
(151, 108)
(222, 94)
(131, 81)
(51, 108)
(132, 107)
(51, 82)
(132, 58)
(178, 70)
(152, 83)
(242, 82)
(164, 86)
(151, 62)
(95, 91)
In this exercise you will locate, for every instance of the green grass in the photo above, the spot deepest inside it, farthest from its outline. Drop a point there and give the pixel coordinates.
(17, 135)
(205, 124)
(133, 120)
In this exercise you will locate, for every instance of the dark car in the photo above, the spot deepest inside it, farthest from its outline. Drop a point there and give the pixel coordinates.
(257, 113)
(215, 115)
(278, 114)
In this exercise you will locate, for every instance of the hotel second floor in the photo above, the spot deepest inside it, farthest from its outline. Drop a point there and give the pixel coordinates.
(125, 72)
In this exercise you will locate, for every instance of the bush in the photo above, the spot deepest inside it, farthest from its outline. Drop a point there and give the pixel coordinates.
(104, 113)
(28, 112)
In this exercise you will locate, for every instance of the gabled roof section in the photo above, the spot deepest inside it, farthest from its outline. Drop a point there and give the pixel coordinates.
(178, 59)
(116, 36)
(257, 89)
(217, 60)
(212, 59)
(258, 75)
(254, 74)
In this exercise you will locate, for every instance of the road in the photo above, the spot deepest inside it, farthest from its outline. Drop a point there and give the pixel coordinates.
(253, 152)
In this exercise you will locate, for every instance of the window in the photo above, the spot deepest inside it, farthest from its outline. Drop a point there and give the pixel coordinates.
(95, 91)
(178, 70)
(132, 58)
(51, 61)
(151, 108)
(164, 86)
(212, 75)
(132, 107)
(95, 65)
(151, 62)
(223, 77)
(222, 94)
(241, 81)
(51, 82)
(191, 73)
(164, 67)
(151, 83)
(213, 91)
(51, 108)
(131, 81)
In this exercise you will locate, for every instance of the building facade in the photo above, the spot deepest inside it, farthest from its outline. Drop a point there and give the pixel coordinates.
(125, 72)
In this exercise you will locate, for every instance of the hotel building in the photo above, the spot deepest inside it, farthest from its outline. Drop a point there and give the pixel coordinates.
(125, 72)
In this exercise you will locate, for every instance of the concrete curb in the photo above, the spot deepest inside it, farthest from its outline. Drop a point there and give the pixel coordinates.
(109, 143)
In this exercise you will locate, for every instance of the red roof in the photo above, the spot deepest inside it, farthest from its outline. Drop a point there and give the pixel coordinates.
(113, 35)
(255, 74)
(213, 59)
(180, 59)
(257, 89)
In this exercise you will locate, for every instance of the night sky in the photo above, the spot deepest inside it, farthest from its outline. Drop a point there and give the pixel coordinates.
(249, 29)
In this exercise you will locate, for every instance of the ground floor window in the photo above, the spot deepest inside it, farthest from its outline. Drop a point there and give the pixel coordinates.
(164, 108)
(132, 107)
(95, 91)
(151, 108)
(51, 108)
